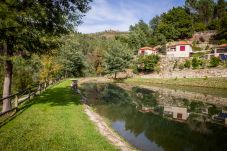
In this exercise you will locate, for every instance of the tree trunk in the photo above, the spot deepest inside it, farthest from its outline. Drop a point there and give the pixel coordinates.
(115, 75)
(7, 85)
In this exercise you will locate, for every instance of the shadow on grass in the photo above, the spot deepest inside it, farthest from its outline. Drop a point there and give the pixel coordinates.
(55, 96)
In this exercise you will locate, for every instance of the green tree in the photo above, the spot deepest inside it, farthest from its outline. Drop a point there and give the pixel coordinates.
(71, 55)
(176, 24)
(203, 8)
(154, 23)
(117, 58)
(220, 8)
(28, 27)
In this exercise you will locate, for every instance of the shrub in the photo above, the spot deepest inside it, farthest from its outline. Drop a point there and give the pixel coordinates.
(181, 66)
(199, 27)
(195, 63)
(148, 63)
(187, 64)
(207, 47)
(214, 25)
(175, 65)
(222, 41)
(214, 61)
(157, 69)
(203, 63)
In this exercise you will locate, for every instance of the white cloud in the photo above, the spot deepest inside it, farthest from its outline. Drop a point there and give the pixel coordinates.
(120, 14)
(103, 17)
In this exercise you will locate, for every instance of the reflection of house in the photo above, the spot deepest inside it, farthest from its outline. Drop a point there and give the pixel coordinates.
(221, 117)
(220, 51)
(147, 51)
(176, 112)
(181, 50)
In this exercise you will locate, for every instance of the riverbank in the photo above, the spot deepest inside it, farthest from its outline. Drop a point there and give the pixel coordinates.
(106, 131)
(55, 120)
(220, 82)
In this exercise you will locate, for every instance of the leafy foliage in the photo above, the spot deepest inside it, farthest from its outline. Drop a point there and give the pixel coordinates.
(148, 63)
(214, 61)
(117, 58)
(176, 24)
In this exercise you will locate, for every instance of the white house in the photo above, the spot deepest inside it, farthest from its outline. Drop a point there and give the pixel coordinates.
(220, 51)
(179, 113)
(180, 50)
(147, 51)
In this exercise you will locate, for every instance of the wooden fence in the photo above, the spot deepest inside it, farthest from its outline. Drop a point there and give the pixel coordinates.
(26, 94)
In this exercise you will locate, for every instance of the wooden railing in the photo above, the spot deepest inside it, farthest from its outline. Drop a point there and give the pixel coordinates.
(26, 94)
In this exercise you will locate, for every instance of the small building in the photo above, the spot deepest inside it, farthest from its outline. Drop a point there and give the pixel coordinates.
(147, 51)
(220, 52)
(179, 113)
(180, 50)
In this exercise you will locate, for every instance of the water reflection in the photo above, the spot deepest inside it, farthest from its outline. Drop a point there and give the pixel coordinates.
(156, 120)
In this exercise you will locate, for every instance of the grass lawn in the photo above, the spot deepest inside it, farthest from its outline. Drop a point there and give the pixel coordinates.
(198, 82)
(54, 121)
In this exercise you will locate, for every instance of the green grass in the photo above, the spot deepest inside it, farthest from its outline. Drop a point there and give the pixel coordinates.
(198, 82)
(54, 121)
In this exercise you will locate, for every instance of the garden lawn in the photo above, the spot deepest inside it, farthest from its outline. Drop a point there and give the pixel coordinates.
(54, 121)
(194, 82)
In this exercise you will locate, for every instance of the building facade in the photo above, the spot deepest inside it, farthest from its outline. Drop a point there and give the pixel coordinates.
(180, 50)
(147, 51)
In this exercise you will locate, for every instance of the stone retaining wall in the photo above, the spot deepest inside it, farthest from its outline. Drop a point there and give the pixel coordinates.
(198, 73)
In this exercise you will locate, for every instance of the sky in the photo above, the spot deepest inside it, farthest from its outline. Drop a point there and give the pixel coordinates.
(120, 14)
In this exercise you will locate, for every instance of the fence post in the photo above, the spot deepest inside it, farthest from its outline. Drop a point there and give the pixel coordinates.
(29, 95)
(39, 89)
(16, 101)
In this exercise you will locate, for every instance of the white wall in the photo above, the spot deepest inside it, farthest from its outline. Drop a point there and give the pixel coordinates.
(147, 52)
(176, 110)
(180, 54)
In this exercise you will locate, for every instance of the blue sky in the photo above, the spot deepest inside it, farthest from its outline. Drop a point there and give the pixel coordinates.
(120, 14)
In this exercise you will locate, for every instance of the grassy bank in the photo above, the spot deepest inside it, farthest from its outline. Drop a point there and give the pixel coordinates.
(198, 82)
(53, 121)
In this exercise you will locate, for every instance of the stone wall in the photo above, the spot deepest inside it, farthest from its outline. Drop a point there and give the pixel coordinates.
(189, 73)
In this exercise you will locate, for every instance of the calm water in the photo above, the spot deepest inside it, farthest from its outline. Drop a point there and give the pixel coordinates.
(161, 119)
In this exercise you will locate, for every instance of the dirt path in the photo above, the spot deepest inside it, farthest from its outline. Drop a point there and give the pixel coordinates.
(106, 131)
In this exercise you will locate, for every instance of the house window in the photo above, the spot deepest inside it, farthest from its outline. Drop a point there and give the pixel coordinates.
(179, 116)
(182, 48)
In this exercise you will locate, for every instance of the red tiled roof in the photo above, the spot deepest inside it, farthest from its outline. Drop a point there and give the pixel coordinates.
(223, 45)
(147, 48)
(183, 43)
(179, 43)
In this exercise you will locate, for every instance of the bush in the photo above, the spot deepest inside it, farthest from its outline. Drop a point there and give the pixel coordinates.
(203, 63)
(199, 27)
(195, 63)
(207, 47)
(214, 61)
(181, 66)
(187, 64)
(148, 63)
(214, 25)
(222, 41)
